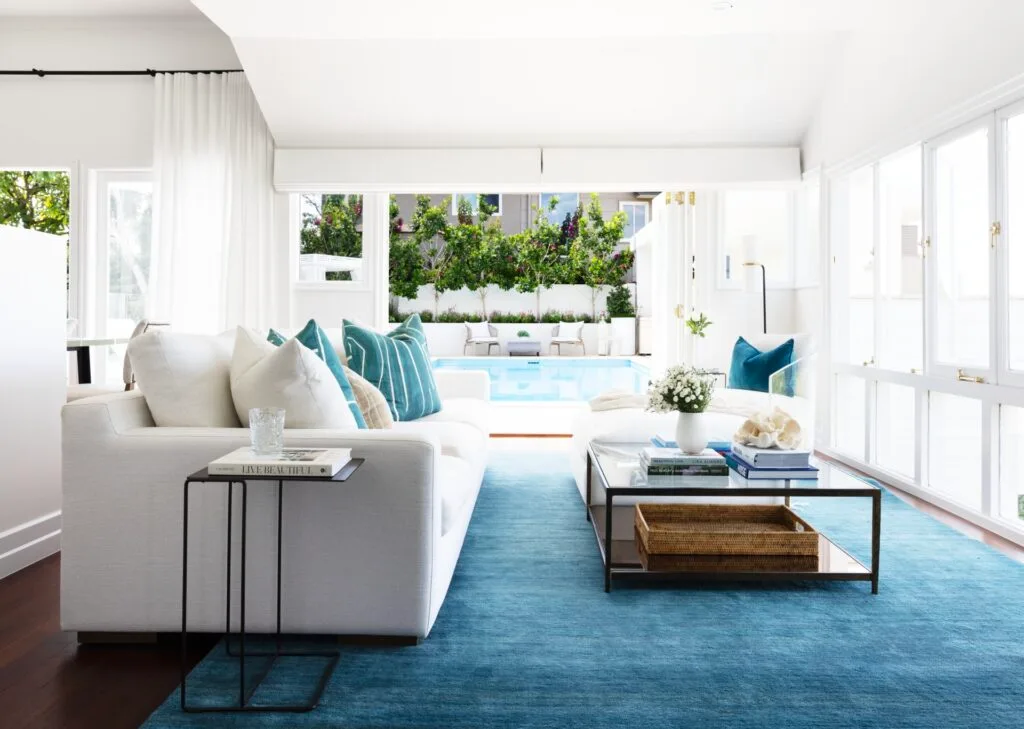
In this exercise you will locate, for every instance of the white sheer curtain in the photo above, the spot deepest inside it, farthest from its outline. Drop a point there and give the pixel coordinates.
(214, 263)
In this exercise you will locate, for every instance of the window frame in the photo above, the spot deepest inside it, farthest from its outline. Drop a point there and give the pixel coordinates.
(295, 241)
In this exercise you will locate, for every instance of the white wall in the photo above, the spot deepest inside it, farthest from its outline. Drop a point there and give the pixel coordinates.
(893, 89)
(32, 370)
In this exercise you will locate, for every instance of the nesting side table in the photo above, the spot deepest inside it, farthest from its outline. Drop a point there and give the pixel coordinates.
(245, 693)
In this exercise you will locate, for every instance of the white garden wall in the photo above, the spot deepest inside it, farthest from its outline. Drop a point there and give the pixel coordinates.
(561, 297)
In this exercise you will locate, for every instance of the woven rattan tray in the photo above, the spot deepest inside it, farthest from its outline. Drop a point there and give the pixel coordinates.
(723, 529)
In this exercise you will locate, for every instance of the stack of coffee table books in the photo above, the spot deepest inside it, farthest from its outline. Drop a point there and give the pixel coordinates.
(671, 464)
(771, 463)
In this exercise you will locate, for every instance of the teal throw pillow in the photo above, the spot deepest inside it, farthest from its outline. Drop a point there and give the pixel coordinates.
(314, 338)
(397, 364)
(751, 367)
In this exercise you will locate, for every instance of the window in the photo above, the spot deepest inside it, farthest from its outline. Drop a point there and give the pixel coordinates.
(1013, 249)
(808, 232)
(960, 250)
(566, 203)
(853, 279)
(126, 233)
(1011, 468)
(900, 344)
(848, 400)
(895, 428)
(756, 225)
(492, 199)
(637, 214)
(330, 238)
(954, 448)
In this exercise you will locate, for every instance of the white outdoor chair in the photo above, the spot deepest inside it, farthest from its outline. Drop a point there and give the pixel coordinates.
(557, 340)
(490, 341)
(79, 391)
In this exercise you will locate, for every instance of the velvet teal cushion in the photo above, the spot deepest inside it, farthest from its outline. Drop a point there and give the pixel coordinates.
(314, 338)
(751, 368)
(397, 364)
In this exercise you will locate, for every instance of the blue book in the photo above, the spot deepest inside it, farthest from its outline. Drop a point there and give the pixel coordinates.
(747, 471)
(719, 446)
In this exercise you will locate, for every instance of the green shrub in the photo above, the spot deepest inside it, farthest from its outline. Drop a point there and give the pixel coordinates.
(426, 316)
(551, 316)
(620, 302)
(453, 317)
(522, 317)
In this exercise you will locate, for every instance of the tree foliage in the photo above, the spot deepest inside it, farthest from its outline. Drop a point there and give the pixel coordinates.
(35, 200)
(473, 251)
(333, 225)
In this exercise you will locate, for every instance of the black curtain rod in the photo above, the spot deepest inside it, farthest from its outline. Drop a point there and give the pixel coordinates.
(147, 72)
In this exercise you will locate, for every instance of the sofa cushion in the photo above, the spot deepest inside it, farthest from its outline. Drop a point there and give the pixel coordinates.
(397, 364)
(291, 377)
(455, 482)
(185, 378)
(374, 408)
(313, 337)
(462, 410)
(751, 368)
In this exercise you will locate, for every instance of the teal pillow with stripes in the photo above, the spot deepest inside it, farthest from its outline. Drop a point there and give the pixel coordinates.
(397, 364)
(314, 338)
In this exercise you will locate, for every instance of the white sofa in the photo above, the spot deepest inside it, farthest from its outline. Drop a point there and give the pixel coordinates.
(372, 556)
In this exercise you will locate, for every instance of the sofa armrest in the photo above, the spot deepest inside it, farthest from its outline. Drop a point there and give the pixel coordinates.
(474, 384)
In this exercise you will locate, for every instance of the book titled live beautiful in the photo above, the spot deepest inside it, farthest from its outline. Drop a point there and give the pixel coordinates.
(301, 462)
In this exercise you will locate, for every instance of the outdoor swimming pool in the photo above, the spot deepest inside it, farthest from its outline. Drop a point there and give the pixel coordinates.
(552, 379)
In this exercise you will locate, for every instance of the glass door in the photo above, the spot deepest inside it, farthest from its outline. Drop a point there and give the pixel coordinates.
(959, 252)
(1009, 247)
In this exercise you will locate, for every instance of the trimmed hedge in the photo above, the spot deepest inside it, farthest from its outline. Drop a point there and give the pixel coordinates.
(450, 316)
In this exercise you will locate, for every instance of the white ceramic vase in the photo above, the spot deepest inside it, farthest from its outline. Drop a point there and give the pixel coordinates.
(691, 432)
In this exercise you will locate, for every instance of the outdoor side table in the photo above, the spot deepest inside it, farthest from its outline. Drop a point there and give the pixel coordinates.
(245, 694)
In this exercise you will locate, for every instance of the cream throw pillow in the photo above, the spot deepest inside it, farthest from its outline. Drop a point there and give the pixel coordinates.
(570, 330)
(184, 378)
(479, 330)
(291, 377)
(371, 402)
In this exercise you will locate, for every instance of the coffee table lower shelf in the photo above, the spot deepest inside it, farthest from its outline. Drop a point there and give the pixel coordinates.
(834, 563)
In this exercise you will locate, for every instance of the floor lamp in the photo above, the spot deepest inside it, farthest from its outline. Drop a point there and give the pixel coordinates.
(764, 294)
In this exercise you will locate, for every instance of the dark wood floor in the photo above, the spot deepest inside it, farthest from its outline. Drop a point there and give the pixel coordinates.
(48, 680)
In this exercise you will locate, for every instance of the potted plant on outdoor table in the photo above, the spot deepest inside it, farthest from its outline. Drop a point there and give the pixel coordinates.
(687, 391)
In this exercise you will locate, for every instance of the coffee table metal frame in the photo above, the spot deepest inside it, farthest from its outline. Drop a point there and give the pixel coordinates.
(245, 694)
(618, 566)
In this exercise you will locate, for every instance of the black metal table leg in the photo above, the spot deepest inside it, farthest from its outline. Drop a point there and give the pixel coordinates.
(608, 499)
(586, 506)
(184, 596)
(876, 538)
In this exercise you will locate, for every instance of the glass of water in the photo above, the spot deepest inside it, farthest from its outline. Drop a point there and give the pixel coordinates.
(266, 429)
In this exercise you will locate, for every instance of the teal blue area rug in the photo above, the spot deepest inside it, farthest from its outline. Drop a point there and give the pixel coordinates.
(528, 637)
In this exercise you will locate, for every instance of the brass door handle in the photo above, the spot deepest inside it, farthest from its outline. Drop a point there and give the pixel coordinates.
(962, 377)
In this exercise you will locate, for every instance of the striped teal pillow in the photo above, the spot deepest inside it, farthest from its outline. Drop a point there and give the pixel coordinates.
(397, 364)
(314, 338)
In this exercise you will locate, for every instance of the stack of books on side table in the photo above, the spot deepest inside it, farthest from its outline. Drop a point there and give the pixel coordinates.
(297, 462)
(703, 469)
(770, 463)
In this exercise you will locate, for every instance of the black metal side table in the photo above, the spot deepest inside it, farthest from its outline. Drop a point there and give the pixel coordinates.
(245, 694)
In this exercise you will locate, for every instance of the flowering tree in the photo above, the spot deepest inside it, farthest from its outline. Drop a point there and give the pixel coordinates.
(592, 253)
(543, 251)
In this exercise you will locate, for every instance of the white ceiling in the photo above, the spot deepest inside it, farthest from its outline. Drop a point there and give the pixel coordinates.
(97, 8)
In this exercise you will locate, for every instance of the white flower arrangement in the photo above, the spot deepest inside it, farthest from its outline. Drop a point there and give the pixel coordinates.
(683, 389)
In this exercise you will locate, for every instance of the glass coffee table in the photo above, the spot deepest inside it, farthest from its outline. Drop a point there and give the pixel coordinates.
(613, 471)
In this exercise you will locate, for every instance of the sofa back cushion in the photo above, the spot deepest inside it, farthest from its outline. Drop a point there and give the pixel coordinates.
(397, 364)
(751, 368)
(185, 378)
(291, 377)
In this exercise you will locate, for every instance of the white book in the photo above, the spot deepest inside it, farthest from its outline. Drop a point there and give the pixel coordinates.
(771, 457)
(702, 482)
(299, 462)
(676, 456)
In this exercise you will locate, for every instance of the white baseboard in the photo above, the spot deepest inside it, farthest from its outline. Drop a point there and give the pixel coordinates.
(28, 543)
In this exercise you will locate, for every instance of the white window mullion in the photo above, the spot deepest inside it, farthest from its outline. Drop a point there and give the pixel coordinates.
(990, 459)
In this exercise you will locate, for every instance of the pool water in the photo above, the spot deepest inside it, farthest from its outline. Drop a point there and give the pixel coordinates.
(553, 379)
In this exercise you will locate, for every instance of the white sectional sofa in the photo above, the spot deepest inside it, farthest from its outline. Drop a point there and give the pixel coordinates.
(372, 556)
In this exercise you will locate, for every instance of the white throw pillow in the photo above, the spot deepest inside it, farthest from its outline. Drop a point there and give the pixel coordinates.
(570, 330)
(291, 377)
(184, 378)
(479, 330)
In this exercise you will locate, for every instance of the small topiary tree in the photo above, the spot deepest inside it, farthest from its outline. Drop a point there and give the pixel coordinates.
(620, 302)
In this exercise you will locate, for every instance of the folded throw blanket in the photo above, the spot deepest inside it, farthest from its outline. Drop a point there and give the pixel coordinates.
(618, 400)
